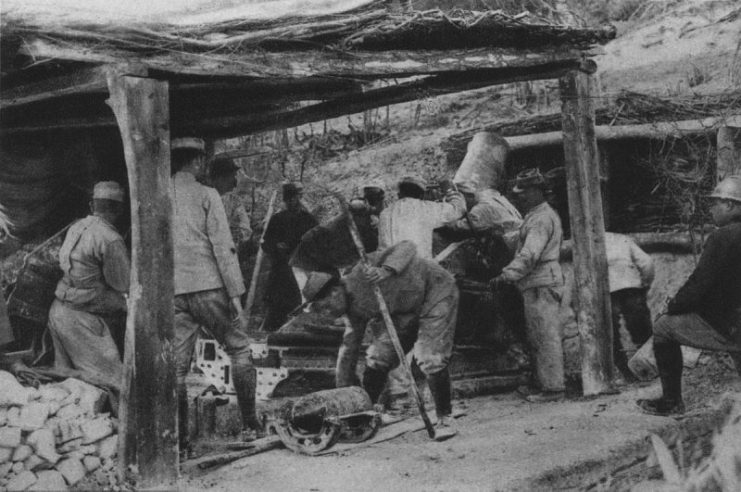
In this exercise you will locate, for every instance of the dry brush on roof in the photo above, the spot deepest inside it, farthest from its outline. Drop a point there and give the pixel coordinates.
(368, 28)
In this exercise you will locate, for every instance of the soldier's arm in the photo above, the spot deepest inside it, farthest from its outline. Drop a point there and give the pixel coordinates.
(527, 257)
(222, 245)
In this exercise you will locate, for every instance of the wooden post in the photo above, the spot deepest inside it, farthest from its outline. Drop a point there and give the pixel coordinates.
(729, 151)
(148, 401)
(592, 299)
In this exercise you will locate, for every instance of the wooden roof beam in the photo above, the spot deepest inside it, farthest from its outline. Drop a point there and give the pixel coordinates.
(84, 81)
(231, 125)
(321, 63)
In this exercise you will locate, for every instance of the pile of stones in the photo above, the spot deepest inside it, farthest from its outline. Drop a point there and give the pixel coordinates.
(52, 437)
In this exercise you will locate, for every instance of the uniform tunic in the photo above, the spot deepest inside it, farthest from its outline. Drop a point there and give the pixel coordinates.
(237, 217)
(422, 299)
(410, 219)
(537, 273)
(207, 272)
(90, 299)
(282, 236)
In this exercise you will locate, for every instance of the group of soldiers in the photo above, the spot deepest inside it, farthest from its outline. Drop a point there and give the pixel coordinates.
(317, 265)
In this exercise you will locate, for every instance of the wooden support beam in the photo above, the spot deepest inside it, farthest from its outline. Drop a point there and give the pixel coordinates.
(322, 63)
(242, 123)
(658, 130)
(83, 81)
(592, 306)
(148, 403)
(429, 87)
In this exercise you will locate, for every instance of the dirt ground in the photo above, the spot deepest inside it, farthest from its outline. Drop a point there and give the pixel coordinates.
(504, 444)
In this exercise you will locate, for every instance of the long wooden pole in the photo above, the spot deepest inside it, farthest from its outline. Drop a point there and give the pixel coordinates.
(250, 301)
(662, 129)
(148, 402)
(593, 310)
(414, 392)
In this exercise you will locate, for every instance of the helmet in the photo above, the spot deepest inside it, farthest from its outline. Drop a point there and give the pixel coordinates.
(728, 188)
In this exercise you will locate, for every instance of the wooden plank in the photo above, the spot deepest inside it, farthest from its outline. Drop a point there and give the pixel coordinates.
(141, 107)
(249, 122)
(658, 130)
(83, 81)
(322, 63)
(592, 306)
(356, 103)
(729, 149)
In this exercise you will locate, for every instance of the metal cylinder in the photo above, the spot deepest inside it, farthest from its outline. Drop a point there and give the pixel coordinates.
(332, 403)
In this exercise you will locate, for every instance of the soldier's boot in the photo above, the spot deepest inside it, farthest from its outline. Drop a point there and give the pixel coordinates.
(245, 384)
(374, 380)
(669, 364)
(440, 388)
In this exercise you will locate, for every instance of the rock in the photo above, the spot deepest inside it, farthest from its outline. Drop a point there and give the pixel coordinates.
(70, 446)
(18, 467)
(22, 452)
(5, 468)
(22, 481)
(13, 417)
(33, 462)
(42, 441)
(53, 406)
(33, 416)
(10, 437)
(53, 425)
(11, 391)
(89, 449)
(53, 393)
(49, 480)
(5, 454)
(91, 463)
(72, 470)
(108, 447)
(70, 411)
(90, 398)
(3, 416)
(96, 429)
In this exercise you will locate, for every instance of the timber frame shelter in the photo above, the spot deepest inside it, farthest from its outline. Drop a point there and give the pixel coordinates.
(154, 83)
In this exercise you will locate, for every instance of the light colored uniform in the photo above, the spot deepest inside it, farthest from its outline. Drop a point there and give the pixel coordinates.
(410, 219)
(237, 217)
(537, 273)
(492, 209)
(629, 267)
(207, 272)
(422, 299)
(90, 299)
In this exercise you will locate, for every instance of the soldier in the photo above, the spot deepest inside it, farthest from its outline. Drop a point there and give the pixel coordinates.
(90, 305)
(223, 177)
(208, 283)
(706, 311)
(281, 238)
(422, 299)
(537, 273)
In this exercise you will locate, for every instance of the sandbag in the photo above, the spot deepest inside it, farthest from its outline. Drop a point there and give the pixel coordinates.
(483, 165)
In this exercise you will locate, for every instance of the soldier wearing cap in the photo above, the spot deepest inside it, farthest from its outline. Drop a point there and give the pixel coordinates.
(706, 311)
(422, 299)
(282, 236)
(536, 272)
(90, 306)
(412, 218)
(223, 177)
(208, 282)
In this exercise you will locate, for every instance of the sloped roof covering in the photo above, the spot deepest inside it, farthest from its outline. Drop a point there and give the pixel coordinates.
(238, 65)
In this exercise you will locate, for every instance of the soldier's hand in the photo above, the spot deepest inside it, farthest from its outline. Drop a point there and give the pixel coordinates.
(446, 186)
(497, 282)
(375, 275)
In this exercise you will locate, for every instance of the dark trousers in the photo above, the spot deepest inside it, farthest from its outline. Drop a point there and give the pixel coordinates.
(632, 306)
